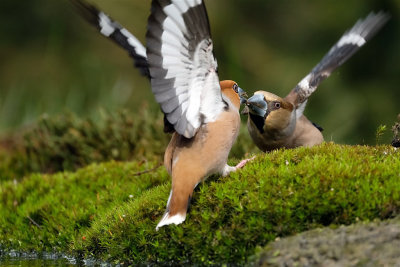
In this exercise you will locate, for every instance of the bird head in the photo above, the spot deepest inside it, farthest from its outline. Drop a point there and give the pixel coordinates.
(270, 112)
(235, 94)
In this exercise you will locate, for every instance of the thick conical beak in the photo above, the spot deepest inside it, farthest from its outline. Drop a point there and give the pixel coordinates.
(257, 105)
(242, 95)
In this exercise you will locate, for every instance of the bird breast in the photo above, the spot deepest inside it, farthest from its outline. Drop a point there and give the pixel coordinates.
(208, 150)
(279, 126)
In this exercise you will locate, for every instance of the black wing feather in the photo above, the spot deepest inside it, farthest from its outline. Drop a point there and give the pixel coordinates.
(348, 44)
(119, 34)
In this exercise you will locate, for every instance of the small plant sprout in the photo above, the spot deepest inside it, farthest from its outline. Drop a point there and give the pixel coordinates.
(380, 132)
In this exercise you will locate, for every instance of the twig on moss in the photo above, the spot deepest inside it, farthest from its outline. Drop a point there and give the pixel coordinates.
(33, 221)
(149, 170)
(379, 133)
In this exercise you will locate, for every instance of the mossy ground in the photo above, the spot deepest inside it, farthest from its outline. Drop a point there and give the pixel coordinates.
(67, 142)
(110, 210)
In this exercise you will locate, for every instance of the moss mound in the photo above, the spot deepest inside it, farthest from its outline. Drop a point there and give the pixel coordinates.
(47, 212)
(278, 194)
(67, 142)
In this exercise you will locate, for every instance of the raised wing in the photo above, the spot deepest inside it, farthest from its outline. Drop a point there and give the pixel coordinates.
(113, 30)
(347, 45)
(183, 69)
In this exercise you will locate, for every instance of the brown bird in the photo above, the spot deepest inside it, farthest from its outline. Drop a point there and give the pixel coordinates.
(275, 122)
(203, 111)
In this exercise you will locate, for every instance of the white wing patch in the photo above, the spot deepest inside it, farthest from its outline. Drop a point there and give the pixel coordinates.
(300, 109)
(134, 42)
(305, 82)
(206, 66)
(182, 65)
(348, 44)
(105, 23)
(173, 13)
(351, 38)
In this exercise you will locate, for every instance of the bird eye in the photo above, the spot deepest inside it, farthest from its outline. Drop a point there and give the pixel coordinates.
(236, 88)
(277, 105)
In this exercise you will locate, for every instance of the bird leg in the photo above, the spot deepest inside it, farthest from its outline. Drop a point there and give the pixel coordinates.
(228, 169)
(244, 162)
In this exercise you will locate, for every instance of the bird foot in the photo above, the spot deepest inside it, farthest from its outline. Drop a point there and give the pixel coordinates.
(228, 169)
(244, 162)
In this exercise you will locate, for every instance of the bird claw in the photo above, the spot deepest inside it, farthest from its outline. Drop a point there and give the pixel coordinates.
(244, 162)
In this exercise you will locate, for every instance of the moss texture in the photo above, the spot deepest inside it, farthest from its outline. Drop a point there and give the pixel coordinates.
(67, 142)
(110, 210)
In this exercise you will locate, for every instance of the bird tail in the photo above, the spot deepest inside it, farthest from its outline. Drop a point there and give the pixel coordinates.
(175, 214)
(171, 219)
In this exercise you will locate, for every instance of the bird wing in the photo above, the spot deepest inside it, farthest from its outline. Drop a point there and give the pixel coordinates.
(182, 66)
(113, 30)
(347, 45)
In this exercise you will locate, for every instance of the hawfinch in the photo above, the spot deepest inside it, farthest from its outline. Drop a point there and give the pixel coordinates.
(275, 122)
(202, 112)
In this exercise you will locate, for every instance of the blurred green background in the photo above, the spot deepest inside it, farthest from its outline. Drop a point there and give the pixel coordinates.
(52, 61)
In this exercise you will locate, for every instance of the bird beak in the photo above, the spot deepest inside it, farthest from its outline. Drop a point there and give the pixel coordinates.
(242, 95)
(257, 105)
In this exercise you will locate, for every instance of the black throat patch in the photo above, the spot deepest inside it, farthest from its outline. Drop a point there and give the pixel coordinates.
(258, 121)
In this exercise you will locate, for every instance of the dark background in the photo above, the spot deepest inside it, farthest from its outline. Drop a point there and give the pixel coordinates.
(51, 61)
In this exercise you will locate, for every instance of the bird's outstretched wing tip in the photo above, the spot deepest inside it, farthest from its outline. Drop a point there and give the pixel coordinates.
(113, 30)
(349, 43)
(88, 11)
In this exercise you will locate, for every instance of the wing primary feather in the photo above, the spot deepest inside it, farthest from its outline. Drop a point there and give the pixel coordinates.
(114, 31)
(179, 52)
(121, 37)
(349, 43)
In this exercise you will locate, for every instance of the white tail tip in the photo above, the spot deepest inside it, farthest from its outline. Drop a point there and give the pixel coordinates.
(175, 219)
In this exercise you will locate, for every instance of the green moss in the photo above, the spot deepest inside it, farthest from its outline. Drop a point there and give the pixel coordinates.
(67, 142)
(278, 194)
(46, 212)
